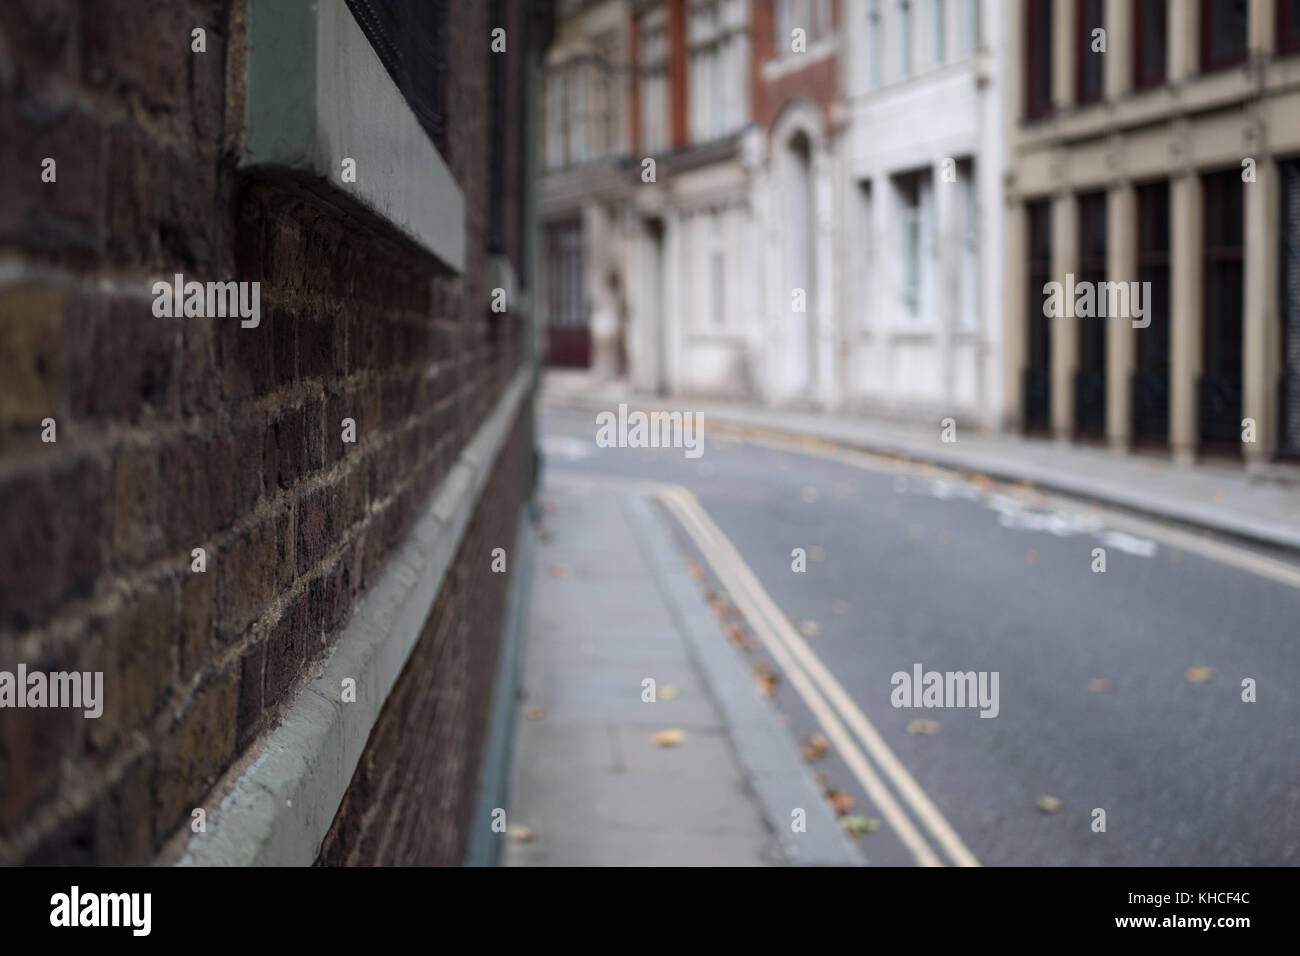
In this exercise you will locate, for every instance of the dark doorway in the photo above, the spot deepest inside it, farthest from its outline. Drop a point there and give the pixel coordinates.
(1090, 375)
(1037, 372)
(568, 336)
(1219, 390)
(1150, 395)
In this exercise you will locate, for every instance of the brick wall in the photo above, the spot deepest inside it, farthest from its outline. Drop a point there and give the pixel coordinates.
(815, 82)
(175, 434)
(411, 798)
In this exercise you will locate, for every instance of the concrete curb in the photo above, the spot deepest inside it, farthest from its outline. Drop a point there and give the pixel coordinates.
(998, 467)
(764, 748)
(276, 810)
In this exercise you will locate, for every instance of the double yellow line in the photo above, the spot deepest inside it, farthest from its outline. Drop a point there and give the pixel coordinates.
(858, 743)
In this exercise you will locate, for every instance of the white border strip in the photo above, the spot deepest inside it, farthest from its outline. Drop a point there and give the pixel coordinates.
(278, 809)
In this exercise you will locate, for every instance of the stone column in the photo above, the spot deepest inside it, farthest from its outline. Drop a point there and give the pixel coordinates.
(1065, 334)
(1261, 339)
(1117, 63)
(1121, 337)
(1064, 45)
(1186, 212)
(1182, 51)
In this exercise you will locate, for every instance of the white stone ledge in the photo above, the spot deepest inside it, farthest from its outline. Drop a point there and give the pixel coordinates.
(316, 94)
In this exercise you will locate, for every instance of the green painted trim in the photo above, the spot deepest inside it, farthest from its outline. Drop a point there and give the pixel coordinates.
(280, 103)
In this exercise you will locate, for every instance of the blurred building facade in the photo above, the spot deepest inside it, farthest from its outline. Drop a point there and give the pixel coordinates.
(720, 221)
(856, 205)
(1169, 159)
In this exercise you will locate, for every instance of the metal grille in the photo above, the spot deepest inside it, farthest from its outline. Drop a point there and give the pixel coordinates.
(410, 39)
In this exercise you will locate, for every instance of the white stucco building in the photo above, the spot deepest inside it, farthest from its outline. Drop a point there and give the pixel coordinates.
(919, 212)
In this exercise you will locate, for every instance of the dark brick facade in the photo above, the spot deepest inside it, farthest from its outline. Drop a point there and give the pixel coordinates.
(175, 434)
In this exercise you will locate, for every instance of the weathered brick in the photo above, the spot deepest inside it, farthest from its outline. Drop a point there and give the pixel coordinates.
(137, 534)
(135, 649)
(249, 711)
(124, 815)
(318, 522)
(248, 569)
(197, 591)
(195, 749)
(284, 448)
(127, 338)
(113, 54)
(132, 193)
(286, 650)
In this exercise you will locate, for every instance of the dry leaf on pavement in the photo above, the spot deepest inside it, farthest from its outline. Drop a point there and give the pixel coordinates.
(815, 747)
(1048, 804)
(669, 738)
(1199, 675)
(927, 727)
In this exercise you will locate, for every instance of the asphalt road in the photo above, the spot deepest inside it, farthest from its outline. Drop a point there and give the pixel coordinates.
(1096, 705)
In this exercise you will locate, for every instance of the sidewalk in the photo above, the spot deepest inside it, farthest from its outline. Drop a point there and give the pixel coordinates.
(612, 605)
(1263, 508)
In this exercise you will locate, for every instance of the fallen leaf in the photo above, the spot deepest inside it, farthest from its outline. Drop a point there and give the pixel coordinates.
(841, 802)
(668, 692)
(815, 747)
(816, 553)
(809, 628)
(546, 536)
(1031, 556)
(1048, 804)
(820, 779)
(1199, 675)
(927, 727)
(858, 827)
(1098, 685)
(695, 571)
(839, 607)
(519, 833)
(560, 571)
(535, 713)
(669, 738)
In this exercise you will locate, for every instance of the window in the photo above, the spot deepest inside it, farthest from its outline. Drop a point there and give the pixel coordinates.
(717, 84)
(811, 16)
(938, 32)
(866, 264)
(904, 39)
(577, 106)
(1223, 33)
(555, 119)
(968, 283)
(916, 231)
(1288, 26)
(1150, 27)
(653, 87)
(875, 44)
(719, 291)
(970, 25)
(1038, 58)
(1087, 64)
